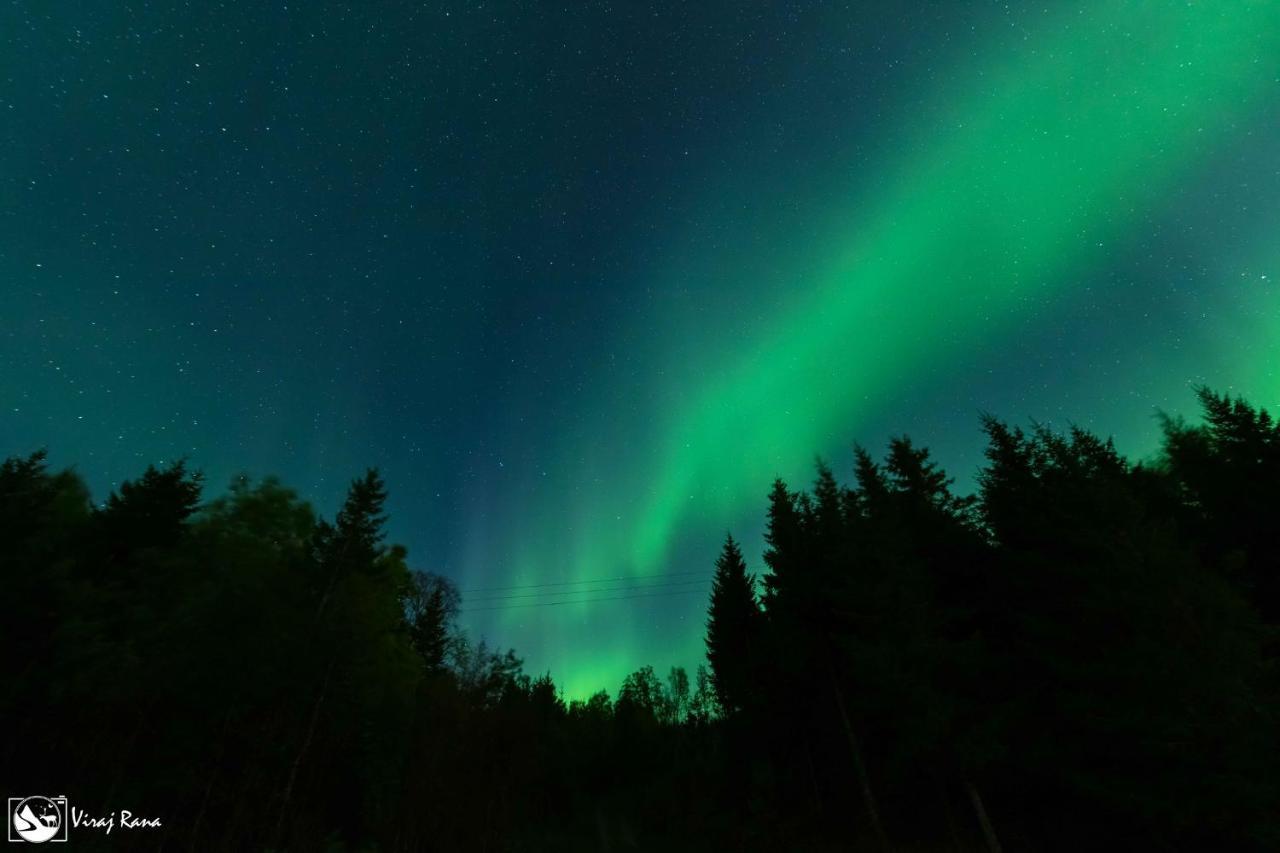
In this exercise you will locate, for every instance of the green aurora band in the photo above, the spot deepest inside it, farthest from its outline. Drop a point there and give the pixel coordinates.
(1026, 172)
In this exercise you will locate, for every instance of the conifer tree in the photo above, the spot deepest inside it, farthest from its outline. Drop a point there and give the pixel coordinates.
(731, 629)
(430, 610)
(783, 535)
(1227, 471)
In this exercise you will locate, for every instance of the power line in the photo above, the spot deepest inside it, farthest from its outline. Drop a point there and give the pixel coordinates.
(577, 582)
(624, 588)
(581, 601)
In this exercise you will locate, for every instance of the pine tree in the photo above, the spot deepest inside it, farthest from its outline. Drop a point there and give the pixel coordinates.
(358, 528)
(872, 488)
(732, 621)
(150, 512)
(784, 536)
(913, 474)
(430, 610)
(828, 506)
(1227, 471)
(1104, 629)
(353, 543)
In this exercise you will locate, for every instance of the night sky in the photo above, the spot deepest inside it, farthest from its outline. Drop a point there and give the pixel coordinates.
(582, 278)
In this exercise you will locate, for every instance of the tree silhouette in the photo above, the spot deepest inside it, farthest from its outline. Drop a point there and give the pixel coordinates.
(1080, 656)
(732, 630)
(431, 610)
(1226, 470)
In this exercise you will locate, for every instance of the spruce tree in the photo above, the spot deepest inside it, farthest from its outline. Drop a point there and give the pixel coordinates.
(731, 627)
(784, 536)
(1227, 471)
(430, 611)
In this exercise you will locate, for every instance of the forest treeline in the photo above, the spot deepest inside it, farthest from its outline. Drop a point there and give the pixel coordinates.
(1080, 656)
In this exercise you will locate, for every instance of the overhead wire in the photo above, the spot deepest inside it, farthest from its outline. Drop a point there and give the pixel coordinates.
(588, 590)
(667, 594)
(581, 581)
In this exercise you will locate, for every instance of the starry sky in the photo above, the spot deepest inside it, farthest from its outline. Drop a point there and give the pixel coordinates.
(582, 278)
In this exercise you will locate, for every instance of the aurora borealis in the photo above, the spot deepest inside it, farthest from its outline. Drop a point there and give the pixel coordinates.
(582, 282)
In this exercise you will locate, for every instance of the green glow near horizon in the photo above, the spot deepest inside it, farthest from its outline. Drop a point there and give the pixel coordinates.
(1027, 171)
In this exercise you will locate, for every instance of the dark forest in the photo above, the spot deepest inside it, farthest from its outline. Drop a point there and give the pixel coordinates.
(1080, 656)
